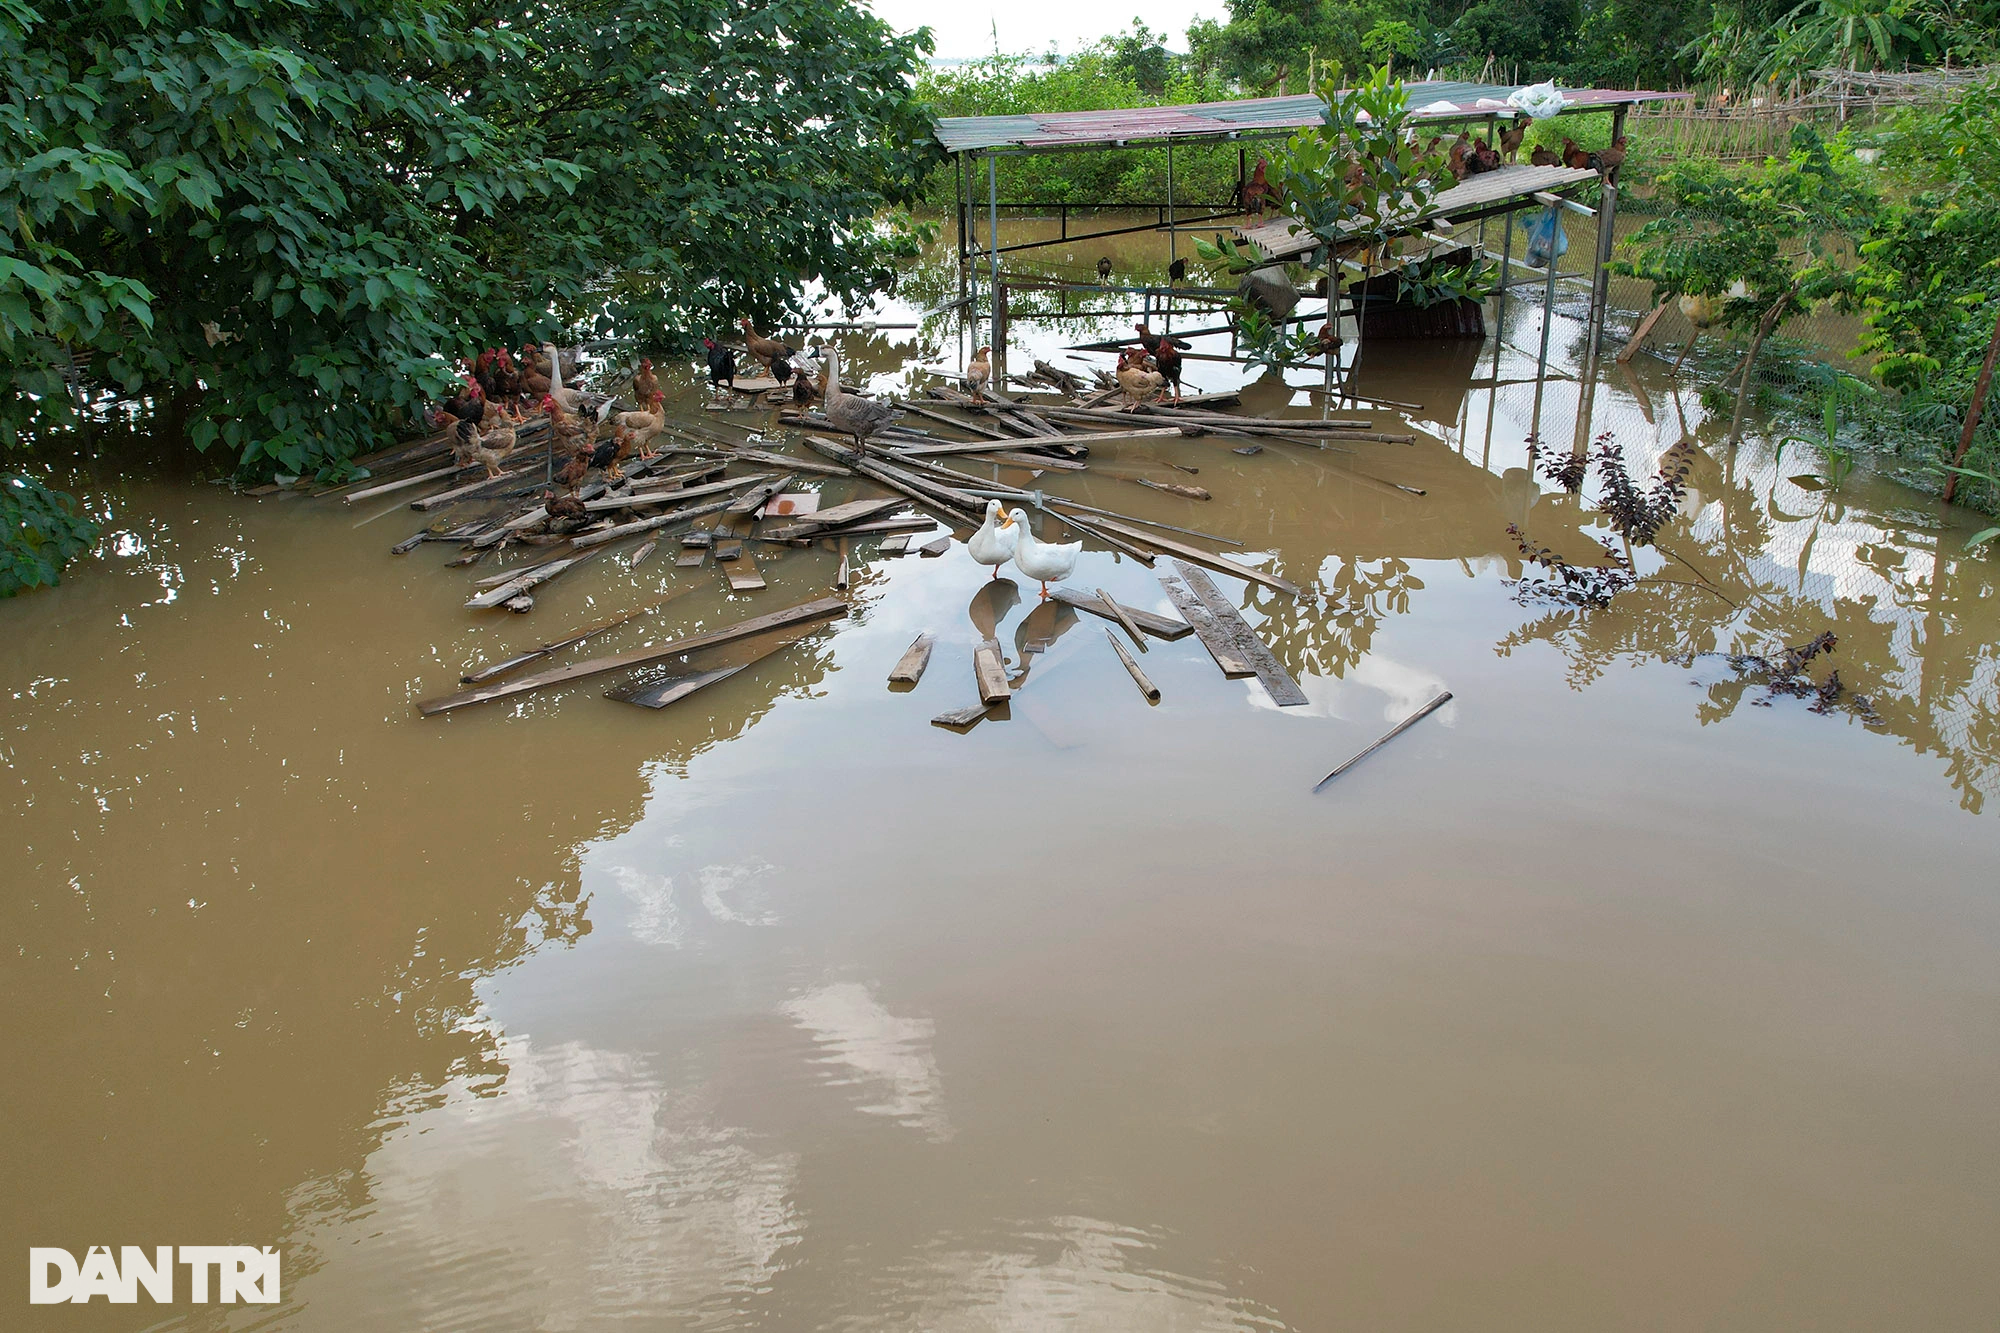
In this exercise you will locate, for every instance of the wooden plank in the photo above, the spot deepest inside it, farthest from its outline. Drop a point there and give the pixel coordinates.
(568, 640)
(854, 511)
(388, 486)
(744, 576)
(960, 717)
(756, 499)
(1201, 557)
(898, 544)
(508, 476)
(514, 587)
(989, 675)
(908, 523)
(1639, 336)
(909, 668)
(671, 497)
(1243, 640)
(660, 693)
(1118, 614)
(1204, 626)
(1393, 732)
(728, 550)
(793, 504)
(933, 550)
(691, 558)
(647, 524)
(825, 608)
(1146, 687)
(646, 548)
(1159, 626)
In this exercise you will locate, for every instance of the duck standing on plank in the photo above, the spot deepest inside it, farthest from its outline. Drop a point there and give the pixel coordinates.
(996, 539)
(1040, 560)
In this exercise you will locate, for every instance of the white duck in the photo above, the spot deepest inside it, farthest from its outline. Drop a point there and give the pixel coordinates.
(1041, 560)
(994, 543)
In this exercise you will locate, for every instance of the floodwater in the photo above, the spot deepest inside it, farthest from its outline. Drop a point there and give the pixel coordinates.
(1604, 998)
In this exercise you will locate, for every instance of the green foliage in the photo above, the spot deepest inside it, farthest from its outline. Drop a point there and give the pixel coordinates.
(40, 531)
(274, 222)
(1774, 236)
(1845, 34)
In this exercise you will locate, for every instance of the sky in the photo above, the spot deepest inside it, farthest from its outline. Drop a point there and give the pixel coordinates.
(964, 30)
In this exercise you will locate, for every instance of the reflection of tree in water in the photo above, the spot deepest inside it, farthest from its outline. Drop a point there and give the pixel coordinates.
(1325, 638)
(1910, 613)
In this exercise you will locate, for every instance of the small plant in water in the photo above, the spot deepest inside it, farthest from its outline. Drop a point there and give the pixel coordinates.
(1639, 512)
(1576, 585)
(1566, 470)
(1785, 675)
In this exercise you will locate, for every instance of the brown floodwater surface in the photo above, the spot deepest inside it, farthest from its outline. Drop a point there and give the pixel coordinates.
(1604, 998)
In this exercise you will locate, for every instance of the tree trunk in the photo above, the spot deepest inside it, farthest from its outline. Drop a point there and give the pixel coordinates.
(1764, 327)
(1972, 413)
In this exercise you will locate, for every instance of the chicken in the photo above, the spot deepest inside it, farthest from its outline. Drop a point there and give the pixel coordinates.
(1612, 158)
(979, 372)
(1257, 191)
(1166, 354)
(721, 365)
(1104, 268)
(1573, 156)
(763, 349)
(534, 377)
(1177, 271)
(494, 448)
(1540, 156)
(468, 404)
(1138, 383)
(1459, 160)
(645, 426)
(1510, 140)
(859, 417)
(645, 384)
(562, 508)
(1329, 341)
(576, 466)
(564, 430)
(1484, 157)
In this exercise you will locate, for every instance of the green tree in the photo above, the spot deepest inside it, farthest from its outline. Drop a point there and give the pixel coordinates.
(1766, 242)
(276, 223)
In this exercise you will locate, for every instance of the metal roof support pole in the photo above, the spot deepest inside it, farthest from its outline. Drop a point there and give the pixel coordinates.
(993, 242)
(1600, 296)
(964, 254)
(1542, 361)
(1173, 240)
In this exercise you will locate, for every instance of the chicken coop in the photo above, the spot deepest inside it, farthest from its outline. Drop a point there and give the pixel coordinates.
(1457, 217)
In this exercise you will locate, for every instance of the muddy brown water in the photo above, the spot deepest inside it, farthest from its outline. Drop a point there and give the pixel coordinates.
(1605, 998)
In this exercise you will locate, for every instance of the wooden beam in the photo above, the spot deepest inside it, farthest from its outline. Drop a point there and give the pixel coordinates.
(1210, 633)
(909, 668)
(825, 608)
(1242, 640)
(1201, 557)
(1159, 626)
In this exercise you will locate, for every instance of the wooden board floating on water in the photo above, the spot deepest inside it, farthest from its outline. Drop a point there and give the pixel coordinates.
(648, 524)
(567, 641)
(513, 588)
(1119, 614)
(672, 496)
(388, 486)
(805, 613)
(1211, 635)
(960, 717)
(909, 668)
(854, 511)
(1146, 687)
(1393, 732)
(1242, 640)
(744, 576)
(987, 672)
(660, 693)
(692, 558)
(1199, 556)
(898, 544)
(932, 550)
(1159, 626)
(756, 499)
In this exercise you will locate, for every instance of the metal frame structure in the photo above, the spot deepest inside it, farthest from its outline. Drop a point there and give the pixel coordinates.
(970, 138)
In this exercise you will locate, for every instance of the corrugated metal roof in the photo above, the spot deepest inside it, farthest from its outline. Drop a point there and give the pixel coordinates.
(1436, 100)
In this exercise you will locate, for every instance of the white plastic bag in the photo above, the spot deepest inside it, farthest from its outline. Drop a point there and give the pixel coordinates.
(1539, 100)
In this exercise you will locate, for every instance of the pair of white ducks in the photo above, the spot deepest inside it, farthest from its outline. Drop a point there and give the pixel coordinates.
(1004, 537)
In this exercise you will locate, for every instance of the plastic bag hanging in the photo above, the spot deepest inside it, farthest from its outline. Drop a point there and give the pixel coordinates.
(1546, 242)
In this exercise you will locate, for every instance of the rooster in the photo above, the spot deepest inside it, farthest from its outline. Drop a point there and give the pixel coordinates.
(1166, 353)
(1256, 191)
(468, 404)
(766, 350)
(494, 447)
(1510, 140)
(721, 365)
(1574, 157)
